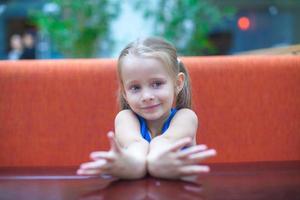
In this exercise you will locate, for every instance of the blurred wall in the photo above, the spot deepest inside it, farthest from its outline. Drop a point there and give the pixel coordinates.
(273, 23)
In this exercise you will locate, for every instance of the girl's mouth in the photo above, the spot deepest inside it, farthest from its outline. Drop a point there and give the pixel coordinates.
(150, 107)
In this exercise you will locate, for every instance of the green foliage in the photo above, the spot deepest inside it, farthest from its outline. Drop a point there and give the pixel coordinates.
(186, 23)
(77, 28)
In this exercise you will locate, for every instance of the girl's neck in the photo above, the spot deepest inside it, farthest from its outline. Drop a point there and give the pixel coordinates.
(155, 126)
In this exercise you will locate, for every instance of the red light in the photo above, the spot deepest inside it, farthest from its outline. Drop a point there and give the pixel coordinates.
(244, 23)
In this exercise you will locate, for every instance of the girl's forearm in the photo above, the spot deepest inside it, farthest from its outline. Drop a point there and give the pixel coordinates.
(134, 165)
(165, 161)
(135, 168)
(156, 146)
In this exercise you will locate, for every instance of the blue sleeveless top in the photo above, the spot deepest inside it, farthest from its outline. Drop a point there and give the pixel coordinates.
(144, 129)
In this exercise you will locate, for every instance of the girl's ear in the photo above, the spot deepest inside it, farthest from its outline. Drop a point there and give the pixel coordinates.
(180, 82)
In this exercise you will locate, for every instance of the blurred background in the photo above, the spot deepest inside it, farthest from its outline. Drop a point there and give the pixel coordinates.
(51, 29)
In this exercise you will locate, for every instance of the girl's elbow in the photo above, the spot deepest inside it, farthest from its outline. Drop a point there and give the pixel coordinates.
(140, 169)
(152, 167)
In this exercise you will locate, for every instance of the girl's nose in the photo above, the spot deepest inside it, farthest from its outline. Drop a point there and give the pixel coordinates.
(147, 96)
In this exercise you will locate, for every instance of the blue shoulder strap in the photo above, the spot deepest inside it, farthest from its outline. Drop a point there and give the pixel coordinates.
(168, 121)
(144, 129)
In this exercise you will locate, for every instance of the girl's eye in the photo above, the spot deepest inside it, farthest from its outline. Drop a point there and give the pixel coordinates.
(156, 84)
(134, 88)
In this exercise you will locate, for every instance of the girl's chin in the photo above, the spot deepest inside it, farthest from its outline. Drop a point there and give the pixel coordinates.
(150, 116)
(153, 116)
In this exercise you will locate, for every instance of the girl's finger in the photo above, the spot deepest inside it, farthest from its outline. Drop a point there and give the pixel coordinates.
(89, 172)
(202, 155)
(107, 155)
(191, 150)
(179, 144)
(192, 179)
(99, 164)
(193, 170)
(113, 143)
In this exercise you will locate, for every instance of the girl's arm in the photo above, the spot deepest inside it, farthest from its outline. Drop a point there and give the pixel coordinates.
(127, 156)
(166, 158)
(183, 125)
(128, 135)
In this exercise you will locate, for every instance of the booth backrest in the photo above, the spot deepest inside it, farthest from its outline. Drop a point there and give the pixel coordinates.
(55, 112)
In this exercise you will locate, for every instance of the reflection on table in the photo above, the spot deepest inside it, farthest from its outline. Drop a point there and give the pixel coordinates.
(263, 180)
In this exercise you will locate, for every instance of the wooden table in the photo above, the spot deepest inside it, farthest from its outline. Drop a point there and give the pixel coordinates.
(263, 180)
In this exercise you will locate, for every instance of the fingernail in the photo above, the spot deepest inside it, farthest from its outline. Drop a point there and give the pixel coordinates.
(92, 155)
(110, 134)
(82, 166)
(207, 169)
(202, 146)
(214, 151)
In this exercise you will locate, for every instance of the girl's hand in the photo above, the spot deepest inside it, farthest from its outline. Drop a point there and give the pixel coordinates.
(174, 163)
(103, 160)
(115, 162)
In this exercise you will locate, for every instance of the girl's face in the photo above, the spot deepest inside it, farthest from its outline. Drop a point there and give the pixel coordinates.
(147, 87)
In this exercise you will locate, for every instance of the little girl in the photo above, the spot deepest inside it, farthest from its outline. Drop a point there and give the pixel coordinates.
(155, 131)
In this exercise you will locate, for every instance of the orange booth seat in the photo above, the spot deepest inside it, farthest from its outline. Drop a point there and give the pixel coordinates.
(55, 112)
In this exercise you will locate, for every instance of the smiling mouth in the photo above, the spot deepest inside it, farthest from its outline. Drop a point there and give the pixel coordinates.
(150, 107)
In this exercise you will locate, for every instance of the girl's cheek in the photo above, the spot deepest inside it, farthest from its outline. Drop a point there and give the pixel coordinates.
(168, 92)
(132, 99)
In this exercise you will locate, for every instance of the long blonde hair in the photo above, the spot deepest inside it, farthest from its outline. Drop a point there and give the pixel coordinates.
(158, 48)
